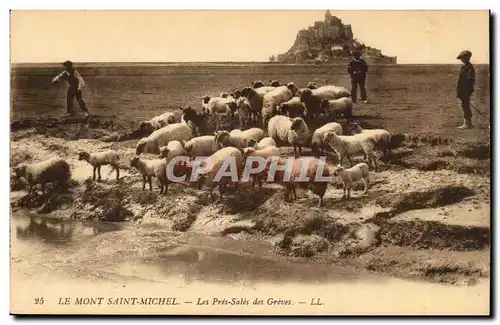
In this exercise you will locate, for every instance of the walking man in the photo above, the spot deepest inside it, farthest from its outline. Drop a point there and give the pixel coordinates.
(357, 69)
(76, 84)
(465, 87)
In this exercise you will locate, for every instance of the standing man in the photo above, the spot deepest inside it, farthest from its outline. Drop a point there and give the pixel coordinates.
(76, 84)
(357, 69)
(465, 87)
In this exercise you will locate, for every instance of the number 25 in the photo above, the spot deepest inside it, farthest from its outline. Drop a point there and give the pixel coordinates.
(38, 301)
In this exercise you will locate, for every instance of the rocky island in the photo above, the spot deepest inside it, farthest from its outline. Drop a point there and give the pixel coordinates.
(329, 41)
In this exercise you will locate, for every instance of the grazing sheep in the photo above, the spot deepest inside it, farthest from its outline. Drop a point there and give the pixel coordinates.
(381, 137)
(311, 182)
(157, 122)
(255, 97)
(284, 130)
(244, 110)
(351, 175)
(275, 97)
(151, 168)
(252, 133)
(201, 146)
(53, 170)
(335, 107)
(224, 139)
(351, 145)
(266, 142)
(292, 108)
(313, 98)
(172, 149)
(257, 84)
(98, 159)
(225, 106)
(217, 159)
(317, 144)
(159, 138)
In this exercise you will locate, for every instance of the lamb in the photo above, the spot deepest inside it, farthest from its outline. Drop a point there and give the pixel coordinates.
(351, 145)
(98, 159)
(298, 135)
(266, 142)
(334, 107)
(292, 108)
(275, 97)
(224, 139)
(255, 97)
(351, 175)
(151, 168)
(157, 122)
(152, 143)
(201, 146)
(312, 181)
(381, 137)
(53, 170)
(172, 149)
(317, 144)
(312, 98)
(217, 159)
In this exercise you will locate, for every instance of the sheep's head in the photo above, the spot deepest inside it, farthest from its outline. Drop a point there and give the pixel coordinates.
(82, 155)
(274, 83)
(224, 94)
(329, 136)
(356, 128)
(20, 170)
(305, 95)
(146, 126)
(312, 85)
(247, 92)
(236, 94)
(164, 151)
(257, 84)
(338, 170)
(293, 87)
(221, 136)
(141, 145)
(251, 142)
(134, 162)
(297, 123)
(205, 99)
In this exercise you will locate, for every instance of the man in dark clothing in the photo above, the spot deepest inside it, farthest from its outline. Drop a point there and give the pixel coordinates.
(357, 69)
(465, 87)
(76, 85)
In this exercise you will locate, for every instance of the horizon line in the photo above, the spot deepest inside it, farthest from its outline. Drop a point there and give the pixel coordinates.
(221, 62)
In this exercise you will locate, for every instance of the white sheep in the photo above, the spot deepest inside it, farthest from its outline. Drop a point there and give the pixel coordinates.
(351, 145)
(351, 175)
(313, 98)
(225, 106)
(269, 151)
(381, 137)
(287, 130)
(234, 132)
(98, 159)
(334, 107)
(201, 146)
(157, 122)
(151, 168)
(255, 97)
(159, 138)
(275, 97)
(224, 139)
(317, 144)
(244, 111)
(252, 133)
(265, 142)
(53, 170)
(171, 150)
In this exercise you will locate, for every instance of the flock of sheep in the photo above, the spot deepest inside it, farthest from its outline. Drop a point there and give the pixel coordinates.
(282, 110)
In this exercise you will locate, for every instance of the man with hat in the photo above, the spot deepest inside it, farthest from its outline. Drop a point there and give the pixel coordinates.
(76, 84)
(357, 69)
(465, 87)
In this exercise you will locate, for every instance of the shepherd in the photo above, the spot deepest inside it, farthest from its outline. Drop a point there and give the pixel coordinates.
(76, 84)
(357, 69)
(465, 86)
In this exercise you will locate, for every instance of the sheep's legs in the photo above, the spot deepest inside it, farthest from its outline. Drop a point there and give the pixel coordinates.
(348, 192)
(99, 173)
(150, 183)
(295, 151)
(344, 188)
(349, 160)
(300, 151)
(94, 169)
(117, 172)
(366, 182)
(143, 183)
(320, 202)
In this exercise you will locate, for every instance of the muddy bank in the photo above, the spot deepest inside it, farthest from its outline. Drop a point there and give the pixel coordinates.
(436, 176)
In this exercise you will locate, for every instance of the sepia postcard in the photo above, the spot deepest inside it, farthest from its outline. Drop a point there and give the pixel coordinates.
(257, 162)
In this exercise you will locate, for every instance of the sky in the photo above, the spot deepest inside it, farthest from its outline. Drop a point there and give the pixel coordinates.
(415, 37)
